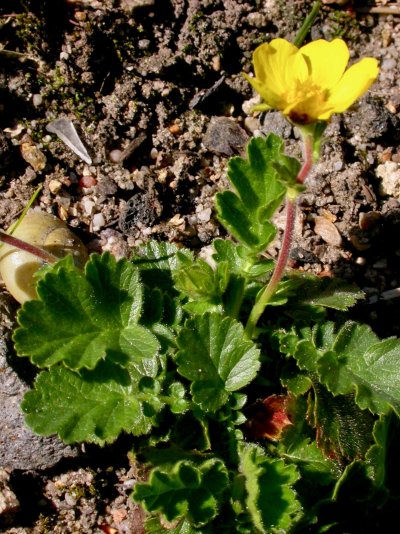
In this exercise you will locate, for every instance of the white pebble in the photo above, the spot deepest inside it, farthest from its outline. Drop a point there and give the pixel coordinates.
(37, 100)
(204, 215)
(98, 221)
(87, 206)
(389, 172)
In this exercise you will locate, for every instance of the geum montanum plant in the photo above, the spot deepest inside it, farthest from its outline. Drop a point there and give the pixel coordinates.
(254, 405)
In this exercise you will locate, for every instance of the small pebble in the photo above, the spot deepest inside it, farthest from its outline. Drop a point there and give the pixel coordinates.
(87, 206)
(204, 215)
(338, 165)
(251, 124)
(80, 16)
(98, 221)
(115, 155)
(87, 181)
(257, 20)
(328, 231)
(175, 129)
(389, 172)
(37, 100)
(54, 186)
(34, 156)
(216, 63)
(143, 44)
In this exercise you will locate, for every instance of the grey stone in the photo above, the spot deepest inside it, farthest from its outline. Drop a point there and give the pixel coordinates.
(224, 136)
(20, 448)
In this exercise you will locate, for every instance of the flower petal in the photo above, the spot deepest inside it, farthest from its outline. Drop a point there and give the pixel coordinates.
(327, 61)
(272, 100)
(354, 83)
(270, 61)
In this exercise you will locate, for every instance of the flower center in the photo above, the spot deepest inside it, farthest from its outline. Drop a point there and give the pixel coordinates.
(305, 90)
(305, 99)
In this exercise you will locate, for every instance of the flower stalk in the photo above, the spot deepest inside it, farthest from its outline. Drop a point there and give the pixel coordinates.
(283, 257)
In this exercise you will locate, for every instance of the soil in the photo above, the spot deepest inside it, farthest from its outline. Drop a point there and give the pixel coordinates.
(155, 91)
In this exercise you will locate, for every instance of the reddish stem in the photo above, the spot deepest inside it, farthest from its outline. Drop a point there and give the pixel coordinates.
(27, 247)
(284, 252)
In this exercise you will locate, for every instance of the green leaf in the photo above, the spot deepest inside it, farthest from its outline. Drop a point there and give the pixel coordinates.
(352, 360)
(198, 280)
(240, 259)
(383, 457)
(271, 500)
(355, 505)
(189, 432)
(217, 358)
(186, 491)
(177, 398)
(343, 429)
(82, 318)
(258, 192)
(329, 293)
(94, 406)
(157, 256)
(296, 446)
(153, 526)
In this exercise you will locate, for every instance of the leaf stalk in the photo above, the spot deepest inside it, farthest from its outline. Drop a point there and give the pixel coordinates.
(27, 247)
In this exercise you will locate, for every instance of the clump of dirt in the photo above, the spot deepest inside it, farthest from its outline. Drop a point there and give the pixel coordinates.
(156, 93)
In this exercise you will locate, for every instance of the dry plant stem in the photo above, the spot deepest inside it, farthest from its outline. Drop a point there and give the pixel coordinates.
(291, 205)
(27, 247)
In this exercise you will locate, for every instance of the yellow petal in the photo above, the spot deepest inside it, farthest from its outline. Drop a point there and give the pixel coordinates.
(270, 61)
(327, 61)
(354, 83)
(272, 100)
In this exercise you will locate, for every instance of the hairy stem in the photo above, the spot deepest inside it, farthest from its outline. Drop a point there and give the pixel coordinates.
(283, 256)
(27, 247)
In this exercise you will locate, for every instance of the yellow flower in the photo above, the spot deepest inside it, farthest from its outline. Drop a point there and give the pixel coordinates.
(309, 84)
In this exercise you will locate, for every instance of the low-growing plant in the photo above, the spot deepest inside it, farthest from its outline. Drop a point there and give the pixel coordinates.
(252, 400)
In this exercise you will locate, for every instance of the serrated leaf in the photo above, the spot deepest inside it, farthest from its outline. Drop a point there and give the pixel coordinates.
(153, 526)
(296, 446)
(383, 457)
(271, 500)
(240, 259)
(241, 224)
(352, 360)
(329, 293)
(258, 192)
(198, 280)
(355, 506)
(160, 256)
(186, 491)
(308, 290)
(94, 406)
(343, 429)
(189, 432)
(82, 318)
(216, 357)
(156, 262)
